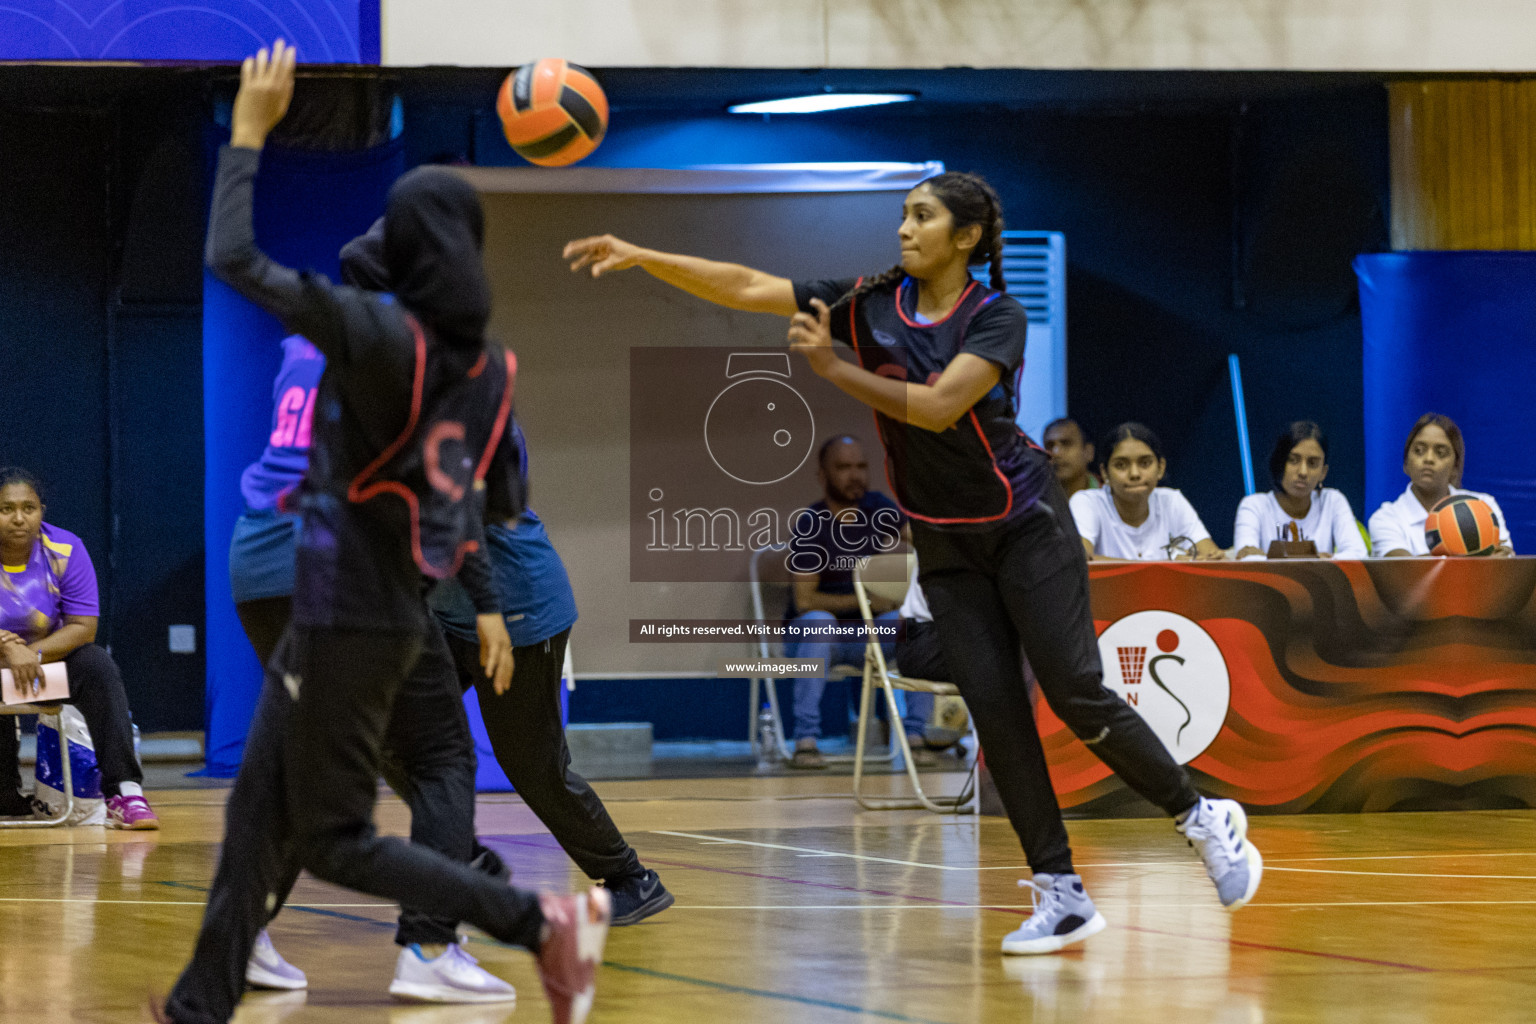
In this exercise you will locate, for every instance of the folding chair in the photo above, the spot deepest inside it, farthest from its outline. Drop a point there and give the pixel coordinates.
(54, 712)
(770, 583)
(888, 577)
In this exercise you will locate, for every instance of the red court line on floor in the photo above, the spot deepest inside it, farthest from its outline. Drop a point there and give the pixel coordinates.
(1244, 943)
(1022, 913)
(747, 874)
(806, 881)
(1416, 968)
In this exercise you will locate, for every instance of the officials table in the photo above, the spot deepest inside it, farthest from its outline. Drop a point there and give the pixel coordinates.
(1317, 685)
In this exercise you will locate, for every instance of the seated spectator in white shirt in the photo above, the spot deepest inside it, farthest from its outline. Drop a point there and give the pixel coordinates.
(1131, 518)
(1298, 465)
(1433, 458)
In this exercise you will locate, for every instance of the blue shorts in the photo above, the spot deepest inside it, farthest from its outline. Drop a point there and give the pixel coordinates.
(261, 555)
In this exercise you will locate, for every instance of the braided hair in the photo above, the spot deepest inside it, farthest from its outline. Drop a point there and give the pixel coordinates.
(969, 200)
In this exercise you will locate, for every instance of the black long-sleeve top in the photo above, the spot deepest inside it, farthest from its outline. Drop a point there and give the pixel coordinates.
(361, 562)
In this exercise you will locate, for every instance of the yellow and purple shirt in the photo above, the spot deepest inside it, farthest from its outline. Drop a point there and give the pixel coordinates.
(58, 579)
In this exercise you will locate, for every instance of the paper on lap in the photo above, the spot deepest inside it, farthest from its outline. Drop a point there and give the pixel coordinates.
(54, 677)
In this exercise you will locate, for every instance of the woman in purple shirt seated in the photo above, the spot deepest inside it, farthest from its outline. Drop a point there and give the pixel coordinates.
(48, 612)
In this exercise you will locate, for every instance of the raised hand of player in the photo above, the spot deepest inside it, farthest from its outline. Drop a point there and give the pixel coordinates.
(266, 88)
(811, 336)
(602, 253)
(495, 651)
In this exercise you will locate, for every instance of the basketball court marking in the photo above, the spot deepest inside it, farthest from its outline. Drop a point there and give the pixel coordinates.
(708, 840)
(718, 986)
(1399, 856)
(915, 902)
(1268, 948)
(718, 841)
(1398, 874)
(1102, 901)
(1106, 902)
(1026, 911)
(186, 903)
(930, 902)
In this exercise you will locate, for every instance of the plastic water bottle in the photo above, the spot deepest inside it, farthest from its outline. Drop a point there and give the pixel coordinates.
(767, 741)
(139, 760)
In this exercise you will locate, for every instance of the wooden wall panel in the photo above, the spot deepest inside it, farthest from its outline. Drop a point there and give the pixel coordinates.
(1462, 153)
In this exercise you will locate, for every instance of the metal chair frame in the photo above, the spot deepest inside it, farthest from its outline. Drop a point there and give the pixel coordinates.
(765, 684)
(878, 675)
(55, 712)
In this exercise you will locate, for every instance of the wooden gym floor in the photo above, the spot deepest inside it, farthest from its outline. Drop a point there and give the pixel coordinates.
(792, 906)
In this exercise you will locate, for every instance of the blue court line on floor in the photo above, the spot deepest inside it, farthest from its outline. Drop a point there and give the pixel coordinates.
(321, 911)
(718, 986)
(1021, 912)
(768, 994)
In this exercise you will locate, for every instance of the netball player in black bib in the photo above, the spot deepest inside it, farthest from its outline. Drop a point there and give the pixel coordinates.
(938, 357)
(409, 451)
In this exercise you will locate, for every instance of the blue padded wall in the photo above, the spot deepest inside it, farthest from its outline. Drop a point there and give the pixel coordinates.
(1455, 333)
(307, 206)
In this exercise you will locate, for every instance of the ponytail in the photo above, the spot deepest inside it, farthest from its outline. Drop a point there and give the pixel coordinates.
(887, 279)
(993, 243)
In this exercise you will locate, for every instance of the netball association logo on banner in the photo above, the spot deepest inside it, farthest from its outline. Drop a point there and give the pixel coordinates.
(1171, 671)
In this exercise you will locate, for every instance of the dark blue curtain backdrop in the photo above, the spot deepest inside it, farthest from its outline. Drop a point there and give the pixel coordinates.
(307, 206)
(1190, 236)
(325, 31)
(1455, 333)
(1187, 237)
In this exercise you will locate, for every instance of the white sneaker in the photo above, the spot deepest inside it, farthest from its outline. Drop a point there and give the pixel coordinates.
(267, 969)
(1063, 914)
(1219, 830)
(454, 977)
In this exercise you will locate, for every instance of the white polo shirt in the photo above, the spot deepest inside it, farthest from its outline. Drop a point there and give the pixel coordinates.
(1329, 523)
(1169, 516)
(1399, 525)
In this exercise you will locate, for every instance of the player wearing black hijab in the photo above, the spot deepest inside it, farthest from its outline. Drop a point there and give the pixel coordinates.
(409, 453)
(429, 755)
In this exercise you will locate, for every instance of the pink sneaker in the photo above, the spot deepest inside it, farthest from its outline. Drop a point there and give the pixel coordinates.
(130, 812)
(570, 954)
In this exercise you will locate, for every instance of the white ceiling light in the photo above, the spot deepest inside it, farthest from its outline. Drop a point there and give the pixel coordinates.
(819, 102)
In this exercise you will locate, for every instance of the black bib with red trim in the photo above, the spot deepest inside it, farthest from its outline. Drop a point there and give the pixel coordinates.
(437, 465)
(980, 472)
(379, 517)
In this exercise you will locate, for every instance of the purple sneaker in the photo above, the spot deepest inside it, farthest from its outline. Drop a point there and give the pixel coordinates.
(267, 968)
(130, 812)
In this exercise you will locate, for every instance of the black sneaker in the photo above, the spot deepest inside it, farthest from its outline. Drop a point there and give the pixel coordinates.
(637, 897)
(14, 804)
